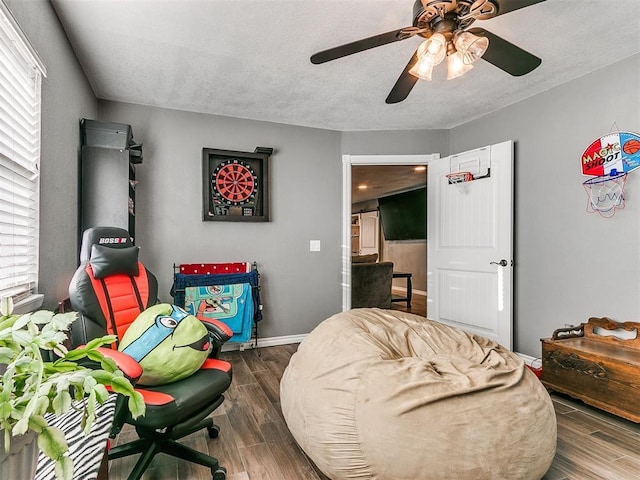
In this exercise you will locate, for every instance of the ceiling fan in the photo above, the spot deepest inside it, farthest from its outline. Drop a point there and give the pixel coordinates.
(445, 26)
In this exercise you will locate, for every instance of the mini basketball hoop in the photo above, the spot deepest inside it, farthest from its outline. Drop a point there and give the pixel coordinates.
(459, 179)
(605, 193)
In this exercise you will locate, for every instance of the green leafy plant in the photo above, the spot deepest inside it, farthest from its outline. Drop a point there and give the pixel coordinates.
(31, 386)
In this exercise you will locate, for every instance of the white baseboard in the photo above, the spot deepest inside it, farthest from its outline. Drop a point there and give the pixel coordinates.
(265, 342)
(529, 360)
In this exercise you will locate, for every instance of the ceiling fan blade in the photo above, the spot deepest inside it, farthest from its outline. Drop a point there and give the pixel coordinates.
(507, 56)
(506, 6)
(361, 45)
(404, 84)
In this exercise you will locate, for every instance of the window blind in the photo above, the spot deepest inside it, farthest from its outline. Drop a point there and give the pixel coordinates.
(20, 81)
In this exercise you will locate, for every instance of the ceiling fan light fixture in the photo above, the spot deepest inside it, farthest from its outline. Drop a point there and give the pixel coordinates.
(470, 46)
(430, 53)
(422, 69)
(456, 66)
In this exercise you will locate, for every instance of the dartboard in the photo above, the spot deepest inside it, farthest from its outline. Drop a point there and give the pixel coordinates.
(235, 182)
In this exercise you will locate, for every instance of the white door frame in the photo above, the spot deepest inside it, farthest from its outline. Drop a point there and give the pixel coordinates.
(347, 162)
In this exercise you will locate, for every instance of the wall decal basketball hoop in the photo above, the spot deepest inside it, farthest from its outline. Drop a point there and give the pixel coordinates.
(607, 161)
(605, 193)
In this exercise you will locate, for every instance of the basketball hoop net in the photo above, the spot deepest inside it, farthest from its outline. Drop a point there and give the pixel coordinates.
(460, 179)
(606, 193)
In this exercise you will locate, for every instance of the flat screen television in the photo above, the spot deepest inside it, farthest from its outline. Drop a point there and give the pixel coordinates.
(404, 215)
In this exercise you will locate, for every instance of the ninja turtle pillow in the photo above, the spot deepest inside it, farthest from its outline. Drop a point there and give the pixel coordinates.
(167, 342)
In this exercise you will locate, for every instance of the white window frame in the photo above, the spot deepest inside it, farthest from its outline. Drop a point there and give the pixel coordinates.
(21, 72)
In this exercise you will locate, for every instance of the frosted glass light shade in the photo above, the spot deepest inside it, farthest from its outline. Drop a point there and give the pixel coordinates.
(470, 46)
(431, 52)
(423, 68)
(456, 66)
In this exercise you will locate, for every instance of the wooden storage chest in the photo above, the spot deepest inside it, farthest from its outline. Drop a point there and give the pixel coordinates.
(593, 364)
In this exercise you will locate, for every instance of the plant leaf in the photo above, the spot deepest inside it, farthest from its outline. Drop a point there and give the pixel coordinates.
(60, 350)
(102, 394)
(6, 354)
(62, 402)
(61, 365)
(109, 364)
(5, 409)
(136, 404)
(21, 336)
(99, 342)
(6, 305)
(101, 376)
(64, 468)
(37, 423)
(21, 322)
(90, 412)
(94, 355)
(75, 354)
(7, 322)
(20, 427)
(42, 405)
(121, 385)
(61, 321)
(52, 442)
(89, 383)
(41, 316)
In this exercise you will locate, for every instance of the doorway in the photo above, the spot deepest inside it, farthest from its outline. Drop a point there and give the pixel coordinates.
(347, 162)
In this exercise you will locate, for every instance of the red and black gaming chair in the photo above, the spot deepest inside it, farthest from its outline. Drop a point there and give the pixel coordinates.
(109, 289)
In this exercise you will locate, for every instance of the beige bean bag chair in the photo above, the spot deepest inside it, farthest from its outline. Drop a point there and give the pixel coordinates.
(386, 395)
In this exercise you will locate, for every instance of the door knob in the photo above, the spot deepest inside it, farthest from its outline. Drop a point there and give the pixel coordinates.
(502, 263)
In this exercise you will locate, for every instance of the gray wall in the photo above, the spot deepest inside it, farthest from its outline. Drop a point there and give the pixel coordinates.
(66, 97)
(570, 264)
(395, 142)
(299, 288)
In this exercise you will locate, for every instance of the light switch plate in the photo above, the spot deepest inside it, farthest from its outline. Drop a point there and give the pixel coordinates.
(314, 245)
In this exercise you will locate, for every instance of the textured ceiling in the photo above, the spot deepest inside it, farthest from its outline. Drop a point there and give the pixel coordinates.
(383, 180)
(250, 58)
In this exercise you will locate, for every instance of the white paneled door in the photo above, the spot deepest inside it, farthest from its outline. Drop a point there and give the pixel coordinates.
(470, 242)
(369, 233)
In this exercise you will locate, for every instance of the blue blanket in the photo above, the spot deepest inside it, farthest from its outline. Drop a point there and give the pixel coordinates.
(251, 307)
(231, 304)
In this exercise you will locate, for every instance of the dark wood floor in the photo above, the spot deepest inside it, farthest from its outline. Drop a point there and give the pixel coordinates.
(418, 304)
(255, 444)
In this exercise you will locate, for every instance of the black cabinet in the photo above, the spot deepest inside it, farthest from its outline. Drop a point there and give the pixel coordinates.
(108, 189)
(108, 177)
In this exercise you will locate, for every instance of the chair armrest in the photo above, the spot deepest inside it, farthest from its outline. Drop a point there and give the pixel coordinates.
(219, 331)
(131, 369)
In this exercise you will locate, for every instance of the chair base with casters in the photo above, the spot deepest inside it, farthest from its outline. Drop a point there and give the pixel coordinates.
(109, 290)
(152, 442)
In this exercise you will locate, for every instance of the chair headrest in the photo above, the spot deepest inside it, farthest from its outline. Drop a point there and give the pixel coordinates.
(113, 237)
